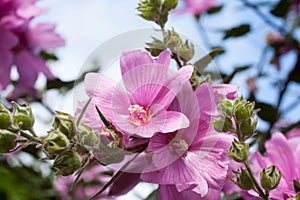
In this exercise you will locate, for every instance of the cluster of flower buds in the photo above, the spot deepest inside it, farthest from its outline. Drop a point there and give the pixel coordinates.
(11, 123)
(156, 10)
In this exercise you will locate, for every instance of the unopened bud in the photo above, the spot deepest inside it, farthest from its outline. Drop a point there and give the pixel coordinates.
(7, 141)
(222, 124)
(5, 117)
(23, 116)
(248, 127)
(87, 136)
(185, 51)
(226, 106)
(170, 4)
(55, 143)
(269, 178)
(238, 151)
(243, 179)
(65, 124)
(67, 163)
(243, 111)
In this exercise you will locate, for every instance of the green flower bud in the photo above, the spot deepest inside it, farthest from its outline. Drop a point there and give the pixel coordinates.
(55, 143)
(65, 124)
(87, 136)
(243, 179)
(7, 141)
(185, 51)
(150, 10)
(226, 106)
(170, 4)
(67, 163)
(222, 124)
(269, 178)
(155, 47)
(172, 39)
(238, 151)
(5, 117)
(23, 116)
(243, 111)
(248, 127)
(296, 185)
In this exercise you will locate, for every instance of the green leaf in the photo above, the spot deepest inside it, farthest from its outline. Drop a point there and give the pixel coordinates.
(153, 196)
(282, 8)
(237, 31)
(215, 9)
(268, 112)
(48, 56)
(201, 64)
(104, 120)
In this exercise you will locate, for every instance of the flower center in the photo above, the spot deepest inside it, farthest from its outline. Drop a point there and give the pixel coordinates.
(179, 146)
(138, 115)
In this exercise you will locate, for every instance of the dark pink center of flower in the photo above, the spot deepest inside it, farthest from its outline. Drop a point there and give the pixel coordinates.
(138, 115)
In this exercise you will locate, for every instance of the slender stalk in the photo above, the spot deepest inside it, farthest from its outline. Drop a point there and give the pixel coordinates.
(255, 183)
(29, 137)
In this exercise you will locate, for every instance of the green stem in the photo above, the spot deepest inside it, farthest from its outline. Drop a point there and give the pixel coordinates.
(255, 183)
(29, 137)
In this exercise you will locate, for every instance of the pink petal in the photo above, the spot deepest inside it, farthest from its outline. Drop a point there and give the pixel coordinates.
(29, 63)
(7, 41)
(42, 36)
(144, 83)
(173, 85)
(167, 192)
(281, 155)
(132, 59)
(124, 183)
(164, 58)
(224, 90)
(174, 121)
(206, 101)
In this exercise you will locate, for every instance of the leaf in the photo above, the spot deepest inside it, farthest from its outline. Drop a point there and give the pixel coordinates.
(201, 64)
(268, 112)
(104, 120)
(238, 31)
(83, 111)
(215, 9)
(48, 56)
(152, 196)
(282, 8)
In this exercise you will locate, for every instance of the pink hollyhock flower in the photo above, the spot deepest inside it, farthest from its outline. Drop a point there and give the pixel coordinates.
(21, 42)
(197, 7)
(140, 107)
(284, 154)
(191, 163)
(86, 187)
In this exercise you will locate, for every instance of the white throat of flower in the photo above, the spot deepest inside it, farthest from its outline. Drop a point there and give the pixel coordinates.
(138, 115)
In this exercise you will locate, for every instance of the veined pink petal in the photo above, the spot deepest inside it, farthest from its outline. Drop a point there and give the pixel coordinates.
(143, 83)
(42, 36)
(181, 174)
(173, 85)
(174, 121)
(132, 59)
(206, 101)
(27, 9)
(164, 58)
(167, 192)
(281, 154)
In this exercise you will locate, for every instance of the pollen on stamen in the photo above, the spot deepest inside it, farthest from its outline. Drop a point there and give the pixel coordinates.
(138, 115)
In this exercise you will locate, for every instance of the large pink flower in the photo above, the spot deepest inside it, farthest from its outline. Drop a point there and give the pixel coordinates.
(20, 43)
(191, 163)
(197, 7)
(139, 104)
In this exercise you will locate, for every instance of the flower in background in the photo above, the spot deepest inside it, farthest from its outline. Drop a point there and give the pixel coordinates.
(191, 163)
(91, 180)
(21, 42)
(284, 154)
(140, 107)
(280, 45)
(197, 7)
